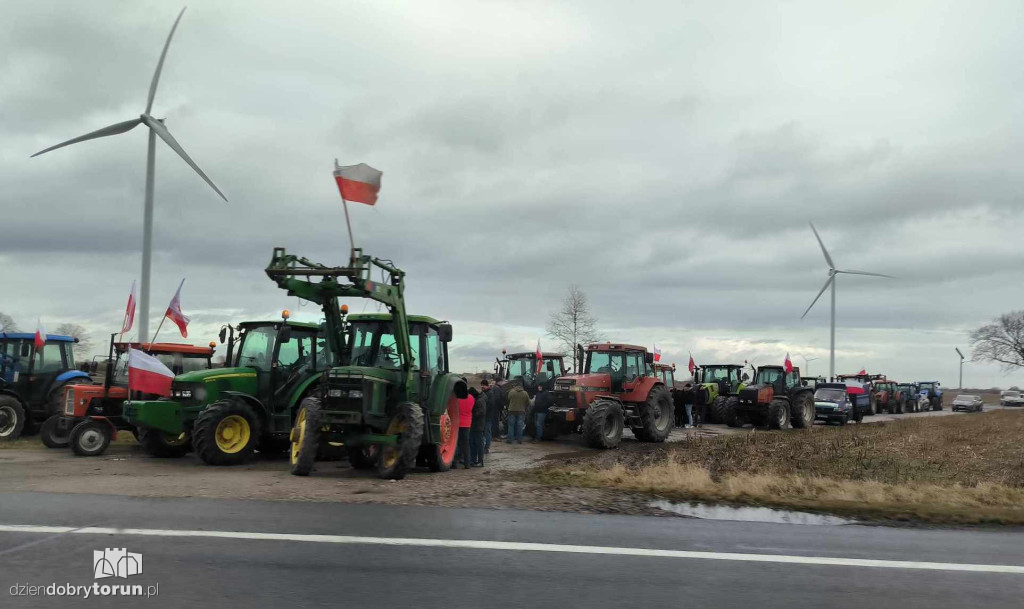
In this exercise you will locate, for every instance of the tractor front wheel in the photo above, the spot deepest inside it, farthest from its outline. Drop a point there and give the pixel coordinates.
(53, 435)
(778, 414)
(306, 436)
(164, 445)
(12, 418)
(802, 416)
(602, 424)
(396, 459)
(226, 433)
(656, 416)
(720, 410)
(90, 438)
(733, 418)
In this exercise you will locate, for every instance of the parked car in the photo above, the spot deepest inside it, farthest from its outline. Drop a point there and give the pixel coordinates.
(1011, 397)
(833, 403)
(968, 402)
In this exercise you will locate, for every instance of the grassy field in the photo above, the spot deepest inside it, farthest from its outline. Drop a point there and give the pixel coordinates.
(964, 469)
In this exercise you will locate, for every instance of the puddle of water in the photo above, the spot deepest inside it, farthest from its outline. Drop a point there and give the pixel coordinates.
(747, 514)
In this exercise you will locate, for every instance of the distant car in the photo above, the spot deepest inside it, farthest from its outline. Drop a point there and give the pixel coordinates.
(968, 402)
(1011, 398)
(834, 404)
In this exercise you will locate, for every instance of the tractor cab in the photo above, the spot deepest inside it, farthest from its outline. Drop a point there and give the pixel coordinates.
(777, 378)
(776, 399)
(523, 369)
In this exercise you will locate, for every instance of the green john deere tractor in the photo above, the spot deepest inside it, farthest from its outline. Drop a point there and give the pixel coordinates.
(226, 414)
(389, 398)
(719, 387)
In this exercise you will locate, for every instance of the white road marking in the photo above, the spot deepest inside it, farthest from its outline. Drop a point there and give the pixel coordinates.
(472, 544)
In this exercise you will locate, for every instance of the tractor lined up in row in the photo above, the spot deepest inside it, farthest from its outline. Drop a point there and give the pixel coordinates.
(524, 370)
(618, 387)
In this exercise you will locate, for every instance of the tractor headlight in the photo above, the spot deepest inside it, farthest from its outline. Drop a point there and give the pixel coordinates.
(69, 403)
(356, 394)
(199, 394)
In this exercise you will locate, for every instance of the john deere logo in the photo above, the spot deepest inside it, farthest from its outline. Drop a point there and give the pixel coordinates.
(115, 562)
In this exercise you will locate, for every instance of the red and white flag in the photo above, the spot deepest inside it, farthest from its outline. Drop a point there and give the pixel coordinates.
(863, 371)
(174, 312)
(148, 374)
(788, 364)
(657, 353)
(540, 357)
(40, 339)
(129, 311)
(359, 183)
(692, 365)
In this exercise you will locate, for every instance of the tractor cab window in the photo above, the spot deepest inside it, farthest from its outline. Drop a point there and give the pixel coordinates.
(634, 365)
(374, 345)
(415, 332)
(768, 376)
(669, 378)
(713, 375)
(433, 352)
(792, 379)
(522, 367)
(734, 376)
(297, 352)
(603, 362)
(50, 358)
(257, 350)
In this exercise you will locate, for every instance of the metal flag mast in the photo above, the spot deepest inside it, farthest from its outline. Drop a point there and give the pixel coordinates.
(348, 223)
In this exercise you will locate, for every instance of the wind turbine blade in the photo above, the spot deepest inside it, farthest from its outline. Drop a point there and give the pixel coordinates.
(115, 129)
(828, 258)
(160, 64)
(866, 273)
(823, 288)
(166, 136)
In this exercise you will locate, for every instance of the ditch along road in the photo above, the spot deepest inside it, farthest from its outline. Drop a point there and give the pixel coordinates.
(202, 552)
(126, 470)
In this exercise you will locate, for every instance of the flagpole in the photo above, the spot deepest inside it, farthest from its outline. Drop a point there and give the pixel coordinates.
(160, 325)
(348, 223)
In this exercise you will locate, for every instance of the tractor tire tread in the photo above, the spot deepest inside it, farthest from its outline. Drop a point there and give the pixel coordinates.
(205, 432)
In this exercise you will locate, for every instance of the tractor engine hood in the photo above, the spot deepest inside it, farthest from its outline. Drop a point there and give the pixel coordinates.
(212, 374)
(584, 382)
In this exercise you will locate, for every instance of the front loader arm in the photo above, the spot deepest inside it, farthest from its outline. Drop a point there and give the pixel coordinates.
(295, 274)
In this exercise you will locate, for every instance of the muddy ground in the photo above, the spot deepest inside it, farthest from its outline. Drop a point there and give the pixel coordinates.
(126, 470)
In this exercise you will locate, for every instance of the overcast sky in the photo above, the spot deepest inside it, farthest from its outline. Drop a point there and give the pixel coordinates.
(666, 157)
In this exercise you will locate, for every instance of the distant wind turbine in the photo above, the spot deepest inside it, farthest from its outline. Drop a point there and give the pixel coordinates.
(832, 272)
(156, 128)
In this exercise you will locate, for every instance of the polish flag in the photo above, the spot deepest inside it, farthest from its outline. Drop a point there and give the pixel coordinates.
(692, 365)
(540, 357)
(788, 364)
(174, 312)
(863, 371)
(129, 311)
(148, 374)
(359, 183)
(40, 335)
(657, 353)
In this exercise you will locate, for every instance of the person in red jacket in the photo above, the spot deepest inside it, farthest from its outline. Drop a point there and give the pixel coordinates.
(465, 422)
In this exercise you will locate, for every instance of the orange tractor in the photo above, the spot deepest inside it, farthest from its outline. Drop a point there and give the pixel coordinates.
(90, 415)
(617, 388)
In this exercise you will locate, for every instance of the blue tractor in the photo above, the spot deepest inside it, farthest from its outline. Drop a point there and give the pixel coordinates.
(32, 381)
(932, 392)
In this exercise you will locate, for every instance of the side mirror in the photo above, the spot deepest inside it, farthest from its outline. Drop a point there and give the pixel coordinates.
(94, 367)
(223, 335)
(444, 332)
(285, 334)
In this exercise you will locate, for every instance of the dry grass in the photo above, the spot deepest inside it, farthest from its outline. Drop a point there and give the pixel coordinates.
(945, 469)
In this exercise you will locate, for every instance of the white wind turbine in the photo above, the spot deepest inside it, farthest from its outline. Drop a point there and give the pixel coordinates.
(832, 272)
(156, 128)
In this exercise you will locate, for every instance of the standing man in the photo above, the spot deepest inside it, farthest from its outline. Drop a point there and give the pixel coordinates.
(476, 430)
(494, 399)
(518, 406)
(541, 402)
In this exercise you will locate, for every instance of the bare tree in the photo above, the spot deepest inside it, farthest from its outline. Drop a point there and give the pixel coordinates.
(84, 345)
(1001, 341)
(7, 323)
(573, 324)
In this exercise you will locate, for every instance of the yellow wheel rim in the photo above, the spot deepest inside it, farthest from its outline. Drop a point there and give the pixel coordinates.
(232, 434)
(390, 452)
(298, 434)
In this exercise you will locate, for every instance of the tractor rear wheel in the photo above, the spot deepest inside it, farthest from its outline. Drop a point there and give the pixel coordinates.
(602, 424)
(778, 414)
(12, 418)
(305, 436)
(226, 433)
(163, 445)
(802, 415)
(936, 403)
(90, 438)
(656, 416)
(52, 435)
(733, 418)
(396, 459)
(441, 456)
(720, 410)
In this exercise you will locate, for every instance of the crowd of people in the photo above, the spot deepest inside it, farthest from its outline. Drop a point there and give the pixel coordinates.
(480, 416)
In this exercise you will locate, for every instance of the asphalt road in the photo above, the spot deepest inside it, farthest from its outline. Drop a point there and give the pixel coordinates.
(293, 555)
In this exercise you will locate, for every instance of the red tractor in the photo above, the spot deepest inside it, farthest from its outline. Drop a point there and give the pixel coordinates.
(887, 397)
(90, 416)
(870, 380)
(618, 387)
